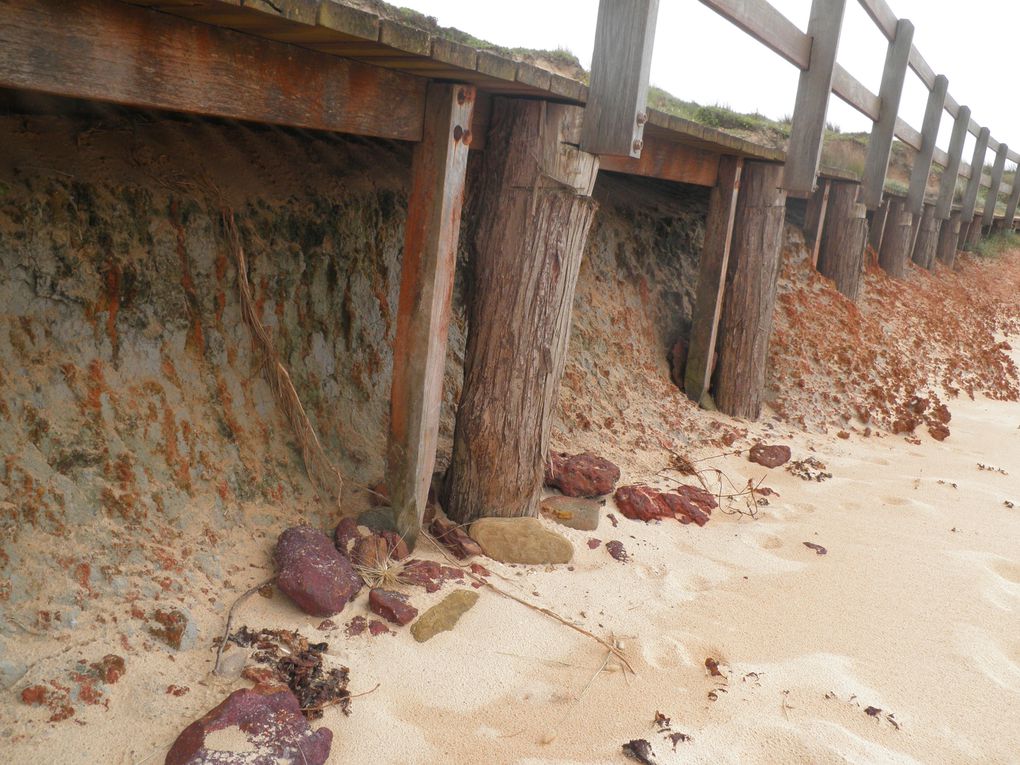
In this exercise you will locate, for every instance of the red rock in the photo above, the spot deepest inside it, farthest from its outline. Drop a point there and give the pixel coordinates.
(312, 573)
(641, 503)
(478, 568)
(395, 544)
(177, 690)
(581, 475)
(616, 549)
(326, 625)
(370, 552)
(769, 456)
(356, 626)
(345, 535)
(170, 627)
(685, 503)
(392, 606)
(594, 544)
(376, 627)
(34, 695)
(270, 719)
(938, 431)
(429, 574)
(453, 537)
(110, 668)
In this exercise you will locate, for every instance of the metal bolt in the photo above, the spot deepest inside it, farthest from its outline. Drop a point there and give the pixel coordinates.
(638, 144)
(642, 118)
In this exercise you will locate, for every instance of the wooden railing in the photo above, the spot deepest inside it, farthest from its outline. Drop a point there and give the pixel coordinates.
(620, 79)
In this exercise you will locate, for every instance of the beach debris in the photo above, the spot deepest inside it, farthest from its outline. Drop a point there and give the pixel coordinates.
(594, 544)
(617, 551)
(574, 512)
(443, 616)
(312, 573)
(392, 606)
(679, 738)
(376, 628)
(429, 574)
(521, 540)
(712, 665)
(612, 519)
(991, 469)
(581, 475)
(287, 658)
(685, 503)
(253, 726)
(639, 749)
(453, 536)
(661, 721)
(809, 469)
(355, 626)
(173, 628)
(948, 483)
(872, 711)
(1009, 503)
(769, 456)
(819, 550)
(326, 625)
(59, 695)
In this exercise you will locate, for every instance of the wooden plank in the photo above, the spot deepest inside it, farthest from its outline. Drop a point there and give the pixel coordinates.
(898, 239)
(405, 38)
(618, 92)
(921, 68)
(533, 76)
(949, 239)
(811, 106)
(496, 66)
(104, 51)
(712, 268)
(970, 195)
(850, 89)
(814, 220)
(947, 187)
(845, 233)
(668, 161)
(907, 134)
(426, 290)
(992, 199)
(348, 21)
(880, 144)
(458, 55)
(929, 134)
(882, 15)
(768, 26)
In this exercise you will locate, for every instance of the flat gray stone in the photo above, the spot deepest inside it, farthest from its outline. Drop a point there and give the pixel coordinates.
(574, 512)
(521, 540)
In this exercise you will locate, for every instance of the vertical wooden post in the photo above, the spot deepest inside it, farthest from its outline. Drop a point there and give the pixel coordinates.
(973, 233)
(808, 128)
(715, 258)
(615, 115)
(929, 135)
(880, 143)
(846, 229)
(535, 209)
(814, 219)
(973, 184)
(947, 187)
(993, 191)
(898, 237)
(1014, 199)
(949, 239)
(751, 285)
(876, 229)
(426, 287)
(927, 238)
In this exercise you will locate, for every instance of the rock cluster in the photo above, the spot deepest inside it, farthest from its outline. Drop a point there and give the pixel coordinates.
(685, 503)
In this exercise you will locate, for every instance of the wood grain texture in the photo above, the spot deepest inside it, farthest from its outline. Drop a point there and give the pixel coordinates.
(804, 151)
(423, 311)
(1011, 203)
(667, 161)
(841, 257)
(768, 26)
(712, 268)
(876, 225)
(897, 240)
(814, 219)
(992, 198)
(109, 52)
(528, 245)
(947, 185)
(927, 238)
(949, 239)
(880, 144)
(851, 90)
(929, 134)
(974, 183)
(618, 91)
(751, 286)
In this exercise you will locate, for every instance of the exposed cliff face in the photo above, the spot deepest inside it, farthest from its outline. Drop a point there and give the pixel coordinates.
(135, 424)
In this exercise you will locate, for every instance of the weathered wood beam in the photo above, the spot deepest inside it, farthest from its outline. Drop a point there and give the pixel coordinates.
(846, 228)
(751, 286)
(114, 52)
(814, 219)
(768, 26)
(808, 127)
(927, 238)
(973, 184)
(617, 98)
(426, 290)
(992, 199)
(1014, 199)
(715, 258)
(973, 233)
(880, 143)
(947, 187)
(667, 161)
(929, 135)
(897, 239)
(949, 239)
(533, 222)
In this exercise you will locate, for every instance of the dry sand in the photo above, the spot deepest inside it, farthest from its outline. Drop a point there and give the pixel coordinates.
(914, 610)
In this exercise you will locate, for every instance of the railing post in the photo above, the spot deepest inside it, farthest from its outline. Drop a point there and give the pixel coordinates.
(947, 188)
(880, 144)
(970, 195)
(808, 128)
(993, 191)
(929, 135)
(615, 115)
(1014, 198)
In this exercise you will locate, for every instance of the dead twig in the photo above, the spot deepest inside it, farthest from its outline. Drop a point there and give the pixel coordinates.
(230, 618)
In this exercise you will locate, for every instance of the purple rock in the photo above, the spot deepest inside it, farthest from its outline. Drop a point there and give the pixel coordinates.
(312, 573)
(267, 717)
